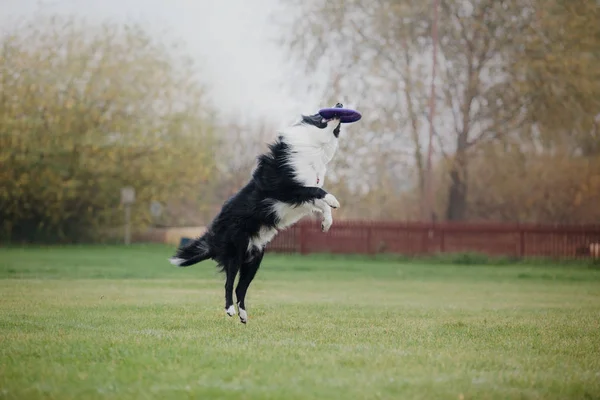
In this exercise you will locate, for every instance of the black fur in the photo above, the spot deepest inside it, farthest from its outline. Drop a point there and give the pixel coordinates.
(243, 215)
(315, 120)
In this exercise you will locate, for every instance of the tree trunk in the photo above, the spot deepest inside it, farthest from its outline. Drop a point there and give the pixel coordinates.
(414, 119)
(457, 196)
(457, 200)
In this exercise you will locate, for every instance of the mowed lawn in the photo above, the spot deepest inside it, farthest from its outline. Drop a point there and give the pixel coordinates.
(121, 323)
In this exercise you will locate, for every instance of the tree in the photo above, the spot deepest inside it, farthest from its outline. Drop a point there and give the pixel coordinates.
(382, 49)
(354, 43)
(556, 69)
(513, 185)
(549, 171)
(86, 109)
(476, 39)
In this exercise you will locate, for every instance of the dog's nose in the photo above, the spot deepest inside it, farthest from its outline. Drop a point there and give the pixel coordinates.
(339, 105)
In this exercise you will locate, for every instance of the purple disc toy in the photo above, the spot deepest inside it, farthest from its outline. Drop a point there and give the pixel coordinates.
(346, 115)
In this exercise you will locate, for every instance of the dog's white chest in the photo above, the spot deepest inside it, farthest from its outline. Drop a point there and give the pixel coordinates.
(309, 157)
(310, 172)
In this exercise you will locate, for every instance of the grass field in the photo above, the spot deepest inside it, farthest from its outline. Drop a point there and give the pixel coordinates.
(121, 323)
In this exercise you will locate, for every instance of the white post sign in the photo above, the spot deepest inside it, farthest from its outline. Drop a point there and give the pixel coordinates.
(127, 199)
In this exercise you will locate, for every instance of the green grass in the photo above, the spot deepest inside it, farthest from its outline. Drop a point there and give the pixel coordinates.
(121, 323)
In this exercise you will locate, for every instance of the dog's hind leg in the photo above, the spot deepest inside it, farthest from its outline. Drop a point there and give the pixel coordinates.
(231, 271)
(247, 272)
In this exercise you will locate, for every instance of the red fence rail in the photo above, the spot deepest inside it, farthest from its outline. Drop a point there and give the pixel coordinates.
(417, 238)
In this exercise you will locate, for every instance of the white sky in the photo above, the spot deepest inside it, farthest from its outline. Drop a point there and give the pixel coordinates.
(232, 41)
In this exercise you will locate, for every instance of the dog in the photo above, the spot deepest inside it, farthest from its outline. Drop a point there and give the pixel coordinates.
(285, 186)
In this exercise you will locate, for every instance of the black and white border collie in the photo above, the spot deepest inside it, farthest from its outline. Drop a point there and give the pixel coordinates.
(285, 186)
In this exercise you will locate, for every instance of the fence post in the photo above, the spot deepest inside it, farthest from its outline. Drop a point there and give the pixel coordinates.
(442, 240)
(425, 239)
(302, 233)
(369, 245)
(521, 243)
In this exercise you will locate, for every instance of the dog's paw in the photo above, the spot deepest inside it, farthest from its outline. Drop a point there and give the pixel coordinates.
(331, 201)
(243, 315)
(230, 311)
(326, 224)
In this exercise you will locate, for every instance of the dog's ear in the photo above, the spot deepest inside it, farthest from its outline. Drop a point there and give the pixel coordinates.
(315, 120)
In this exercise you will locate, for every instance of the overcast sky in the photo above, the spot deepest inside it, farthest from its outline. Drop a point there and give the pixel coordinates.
(233, 42)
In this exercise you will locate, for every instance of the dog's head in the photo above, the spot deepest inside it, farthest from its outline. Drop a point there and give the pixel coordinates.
(315, 131)
(320, 127)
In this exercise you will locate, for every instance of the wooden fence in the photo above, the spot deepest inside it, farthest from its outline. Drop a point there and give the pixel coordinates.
(414, 238)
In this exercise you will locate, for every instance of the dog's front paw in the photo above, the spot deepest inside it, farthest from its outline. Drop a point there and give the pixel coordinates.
(326, 224)
(331, 201)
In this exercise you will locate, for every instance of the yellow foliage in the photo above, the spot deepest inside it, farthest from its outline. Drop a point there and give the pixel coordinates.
(557, 65)
(85, 110)
(535, 187)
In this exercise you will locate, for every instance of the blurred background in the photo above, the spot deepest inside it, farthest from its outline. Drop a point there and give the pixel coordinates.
(474, 111)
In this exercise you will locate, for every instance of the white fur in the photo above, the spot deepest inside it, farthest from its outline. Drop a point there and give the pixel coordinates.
(265, 235)
(326, 223)
(176, 261)
(331, 201)
(243, 315)
(288, 215)
(231, 311)
(322, 207)
(313, 150)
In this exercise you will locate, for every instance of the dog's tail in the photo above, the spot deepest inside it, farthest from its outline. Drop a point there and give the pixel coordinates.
(192, 252)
